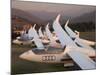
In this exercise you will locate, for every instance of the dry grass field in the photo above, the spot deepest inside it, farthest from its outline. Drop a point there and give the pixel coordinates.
(20, 66)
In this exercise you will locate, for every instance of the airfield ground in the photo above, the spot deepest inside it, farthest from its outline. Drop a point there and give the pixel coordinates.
(20, 66)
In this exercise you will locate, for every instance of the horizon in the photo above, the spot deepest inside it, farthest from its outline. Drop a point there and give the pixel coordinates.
(48, 11)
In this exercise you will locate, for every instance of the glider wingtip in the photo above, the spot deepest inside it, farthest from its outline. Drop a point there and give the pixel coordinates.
(58, 17)
(34, 26)
(67, 23)
(47, 25)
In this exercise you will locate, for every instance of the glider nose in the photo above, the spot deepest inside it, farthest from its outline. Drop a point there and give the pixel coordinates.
(14, 41)
(27, 55)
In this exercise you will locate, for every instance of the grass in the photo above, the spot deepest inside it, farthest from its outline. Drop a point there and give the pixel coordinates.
(20, 66)
(88, 35)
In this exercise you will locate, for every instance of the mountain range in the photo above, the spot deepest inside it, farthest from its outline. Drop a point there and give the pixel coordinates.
(42, 18)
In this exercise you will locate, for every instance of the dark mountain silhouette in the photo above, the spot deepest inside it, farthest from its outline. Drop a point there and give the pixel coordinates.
(87, 17)
(26, 16)
(46, 17)
(80, 22)
(50, 16)
(85, 22)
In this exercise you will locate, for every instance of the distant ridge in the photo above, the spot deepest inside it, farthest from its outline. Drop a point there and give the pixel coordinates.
(26, 16)
(87, 17)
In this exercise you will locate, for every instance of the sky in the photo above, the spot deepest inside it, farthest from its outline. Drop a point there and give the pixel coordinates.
(65, 9)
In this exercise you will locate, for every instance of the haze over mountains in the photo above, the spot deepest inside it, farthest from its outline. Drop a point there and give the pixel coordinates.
(41, 12)
(26, 16)
(86, 17)
(45, 17)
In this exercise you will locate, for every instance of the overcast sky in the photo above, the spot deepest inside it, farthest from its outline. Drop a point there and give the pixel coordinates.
(67, 9)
